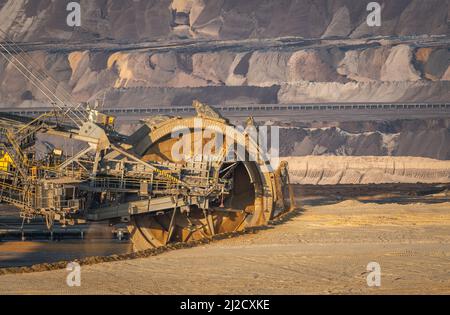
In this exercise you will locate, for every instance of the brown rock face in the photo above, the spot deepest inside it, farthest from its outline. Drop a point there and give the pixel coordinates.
(244, 51)
(132, 20)
(398, 66)
(380, 74)
(434, 63)
(313, 66)
(364, 65)
(421, 138)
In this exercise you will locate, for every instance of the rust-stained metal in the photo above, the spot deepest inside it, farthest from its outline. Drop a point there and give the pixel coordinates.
(136, 179)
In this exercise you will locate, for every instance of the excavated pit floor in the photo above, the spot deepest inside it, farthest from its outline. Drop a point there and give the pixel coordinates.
(323, 248)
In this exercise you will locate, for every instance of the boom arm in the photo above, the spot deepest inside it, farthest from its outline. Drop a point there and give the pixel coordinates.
(43, 81)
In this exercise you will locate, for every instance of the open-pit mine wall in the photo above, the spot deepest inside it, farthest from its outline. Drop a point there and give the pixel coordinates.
(398, 73)
(333, 170)
(341, 59)
(403, 137)
(139, 20)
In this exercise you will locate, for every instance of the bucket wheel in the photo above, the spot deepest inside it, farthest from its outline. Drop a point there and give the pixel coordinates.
(243, 206)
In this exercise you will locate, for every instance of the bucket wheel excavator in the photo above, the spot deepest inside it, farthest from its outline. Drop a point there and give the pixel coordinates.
(247, 193)
(163, 191)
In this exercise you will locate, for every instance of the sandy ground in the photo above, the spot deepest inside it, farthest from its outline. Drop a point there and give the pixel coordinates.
(18, 254)
(323, 250)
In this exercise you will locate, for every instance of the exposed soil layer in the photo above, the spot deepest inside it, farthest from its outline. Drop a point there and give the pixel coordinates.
(224, 76)
(321, 250)
(333, 170)
(131, 20)
(133, 53)
(406, 137)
